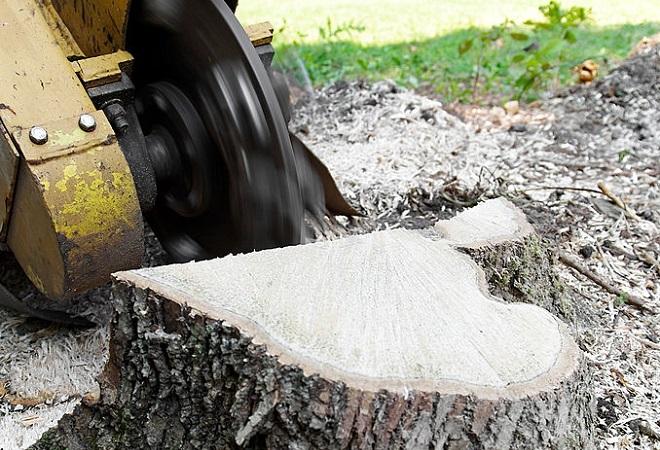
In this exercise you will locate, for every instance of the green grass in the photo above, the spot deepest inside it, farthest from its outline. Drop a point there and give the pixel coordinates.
(388, 21)
(435, 64)
(416, 42)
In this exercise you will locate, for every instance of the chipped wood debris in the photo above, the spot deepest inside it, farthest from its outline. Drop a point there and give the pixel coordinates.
(405, 159)
(623, 295)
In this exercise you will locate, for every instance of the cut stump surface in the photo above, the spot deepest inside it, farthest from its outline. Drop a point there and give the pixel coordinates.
(391, 310)
(384, 340)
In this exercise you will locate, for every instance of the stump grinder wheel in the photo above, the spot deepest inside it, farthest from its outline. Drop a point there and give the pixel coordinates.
(215, 133)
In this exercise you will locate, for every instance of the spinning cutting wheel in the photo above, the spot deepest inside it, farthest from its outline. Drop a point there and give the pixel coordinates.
(161, 109)
(215, 133)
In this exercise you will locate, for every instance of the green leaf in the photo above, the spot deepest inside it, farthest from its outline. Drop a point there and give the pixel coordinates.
(622, 299)
(518, 58)
(538, 25)
(549, 46)
(569, 36)
(522, 81)
(465, 46)
(519, 36)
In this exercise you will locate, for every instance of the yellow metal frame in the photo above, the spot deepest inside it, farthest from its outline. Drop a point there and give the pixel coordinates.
(75, 216)
(61, 32)
(103, 69)
(9, 158)
(98, 26)
(260, 33)
(71, 214)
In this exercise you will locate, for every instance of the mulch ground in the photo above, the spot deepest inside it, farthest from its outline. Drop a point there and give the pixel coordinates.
(584, 165)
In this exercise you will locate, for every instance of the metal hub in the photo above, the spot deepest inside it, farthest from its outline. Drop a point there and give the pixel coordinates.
(225, 168)
(179, 148)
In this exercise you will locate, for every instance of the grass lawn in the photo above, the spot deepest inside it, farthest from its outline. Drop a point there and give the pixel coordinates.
(415, 42)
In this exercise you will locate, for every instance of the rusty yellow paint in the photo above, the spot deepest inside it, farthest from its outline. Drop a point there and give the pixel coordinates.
(96, 196)
(75, 217)
(76, 220)
(37, 83)
(31, 236)
(103, 69)
(60, 31)
(65, 138)
(69, 172)
(98, 26)
(34, 277)
(260, 33)
(72, 240)
(8, 171)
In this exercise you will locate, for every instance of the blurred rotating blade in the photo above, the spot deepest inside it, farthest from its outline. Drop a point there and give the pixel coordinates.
(224, 153)
(320, 193)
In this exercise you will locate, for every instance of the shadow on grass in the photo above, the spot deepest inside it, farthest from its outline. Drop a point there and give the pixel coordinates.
(435, 65)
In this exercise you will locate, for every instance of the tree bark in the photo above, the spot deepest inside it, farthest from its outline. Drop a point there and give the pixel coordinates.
(387, 340)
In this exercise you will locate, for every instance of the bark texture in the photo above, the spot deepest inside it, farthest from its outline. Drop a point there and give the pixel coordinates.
(206, 378)
(179, 381)
(524, 271)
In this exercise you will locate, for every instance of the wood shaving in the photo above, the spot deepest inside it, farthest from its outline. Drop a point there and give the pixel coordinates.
(407, 160)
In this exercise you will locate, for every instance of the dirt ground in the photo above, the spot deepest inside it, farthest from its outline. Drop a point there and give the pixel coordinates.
(406, 160)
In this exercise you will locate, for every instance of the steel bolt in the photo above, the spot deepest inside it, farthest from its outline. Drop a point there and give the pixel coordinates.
(116, 114)
(87, 123)
(38, 135)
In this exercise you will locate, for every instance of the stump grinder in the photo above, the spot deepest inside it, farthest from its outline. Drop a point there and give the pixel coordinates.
(112, 111)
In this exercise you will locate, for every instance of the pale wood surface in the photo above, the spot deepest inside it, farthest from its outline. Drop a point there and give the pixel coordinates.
(491, 222)
(393, 309)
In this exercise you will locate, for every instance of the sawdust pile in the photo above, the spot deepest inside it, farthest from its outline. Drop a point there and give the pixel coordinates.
(406, 161)
(390, 150)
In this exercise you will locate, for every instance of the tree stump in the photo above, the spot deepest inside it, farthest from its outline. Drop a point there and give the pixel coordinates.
(378, 341)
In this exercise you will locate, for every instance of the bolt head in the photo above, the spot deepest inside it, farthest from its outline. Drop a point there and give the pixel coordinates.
(38, 135)
(87, 122)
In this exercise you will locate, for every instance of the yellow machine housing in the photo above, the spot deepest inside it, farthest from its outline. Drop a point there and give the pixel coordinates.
(71, 214)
